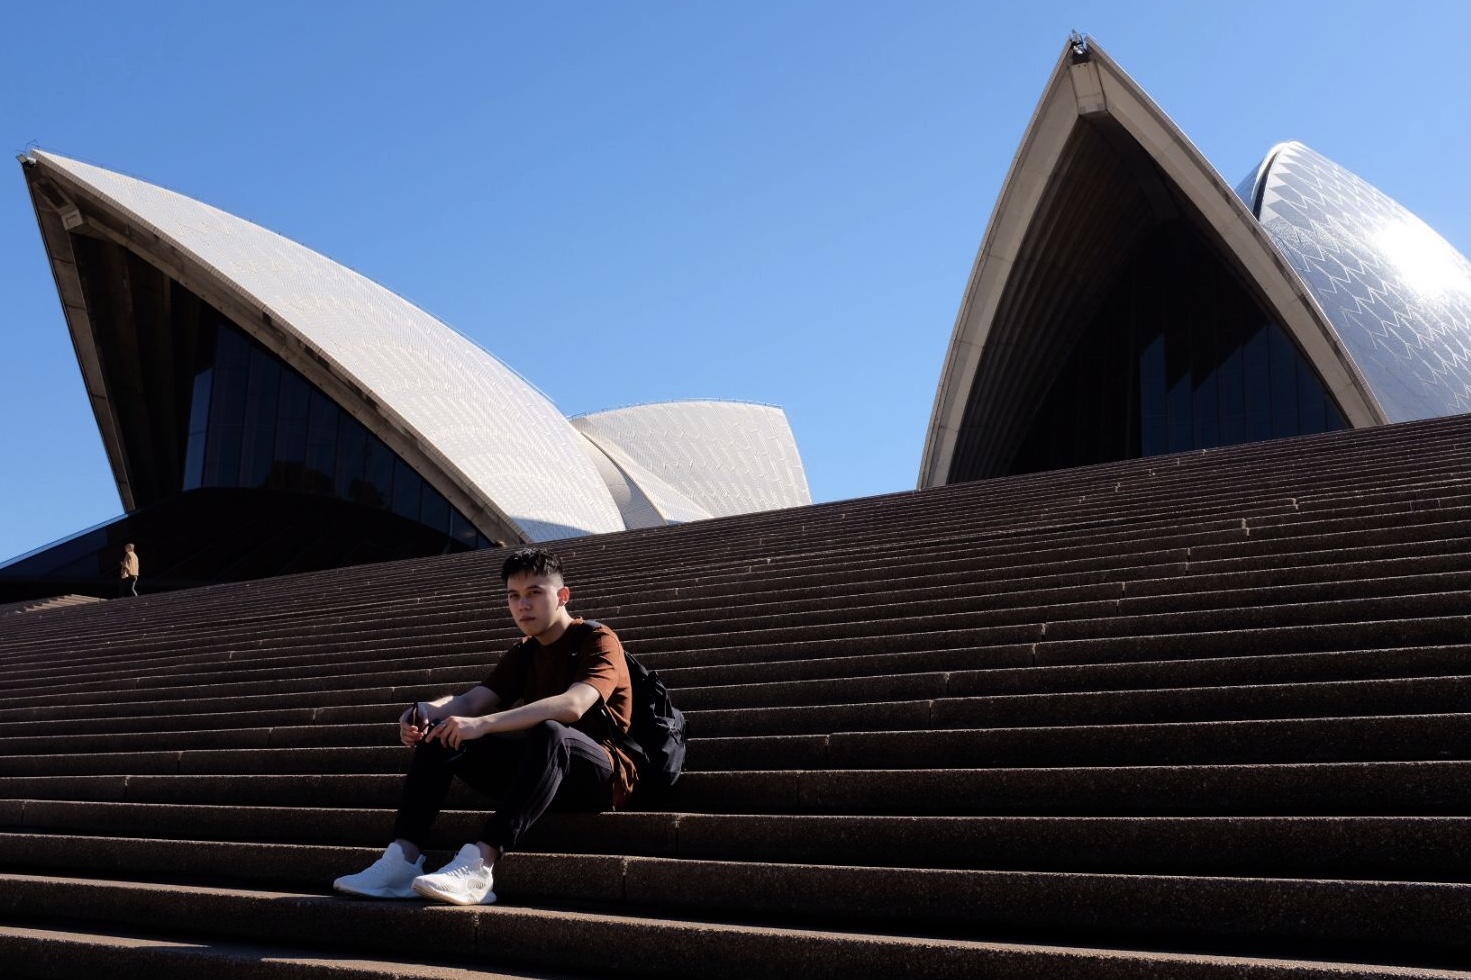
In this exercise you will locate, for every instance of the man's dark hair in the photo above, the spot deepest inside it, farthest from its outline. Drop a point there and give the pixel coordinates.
(531, 560)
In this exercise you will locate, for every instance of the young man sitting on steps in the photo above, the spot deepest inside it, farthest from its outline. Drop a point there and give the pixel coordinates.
(551, 746)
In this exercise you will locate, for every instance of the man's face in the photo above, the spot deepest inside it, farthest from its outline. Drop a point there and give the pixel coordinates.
(535, 601)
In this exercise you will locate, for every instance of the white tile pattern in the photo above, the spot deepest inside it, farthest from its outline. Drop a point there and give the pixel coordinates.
(1397, 294)
(716, 456)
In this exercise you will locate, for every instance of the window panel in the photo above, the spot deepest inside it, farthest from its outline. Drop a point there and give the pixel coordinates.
(1179, 357)
(377, 474)
(227, 410)
(255, 422)
(433, 509)
(198, 430)
(407, 486)
(1153, 439)
(293, 406)
(1284, 384)
(1255, 362)
(258, 442)
(352, 442)
(1312, 413)
(461, 529)
(319, 468)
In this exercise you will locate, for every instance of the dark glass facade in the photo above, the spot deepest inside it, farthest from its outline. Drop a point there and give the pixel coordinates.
(254, 423)
(1180, 356)
(239, 468)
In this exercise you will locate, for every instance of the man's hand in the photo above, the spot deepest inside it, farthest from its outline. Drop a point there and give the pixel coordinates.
(455, 730)
(409, 732)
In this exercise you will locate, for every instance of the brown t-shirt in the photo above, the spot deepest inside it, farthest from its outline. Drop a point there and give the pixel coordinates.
(529, 672)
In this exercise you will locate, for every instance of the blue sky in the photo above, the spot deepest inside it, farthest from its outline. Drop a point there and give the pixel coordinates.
(630, 202)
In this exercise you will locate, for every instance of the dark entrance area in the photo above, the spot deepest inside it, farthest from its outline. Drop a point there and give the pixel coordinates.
(222, 535)
(1178, 357)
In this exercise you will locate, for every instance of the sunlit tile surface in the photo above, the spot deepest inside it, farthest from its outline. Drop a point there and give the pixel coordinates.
(1398, 295)
(719, 457)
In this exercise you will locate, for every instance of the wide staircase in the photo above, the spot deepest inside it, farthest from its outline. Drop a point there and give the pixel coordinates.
(1204, 715)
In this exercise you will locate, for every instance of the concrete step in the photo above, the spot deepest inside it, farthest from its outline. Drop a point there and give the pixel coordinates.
(52, 954)
(1048, 589)
(432, 624)
(1011, 557)
(453, 668)
(1404, 848)
(1414, 788)
(1304, 638)
(1208, 703)
(679, 946)
(746, 709)
(1345, 789)
(34, 953)
(1080, 607)
(1326, 699)
(337, 621)
(1199, 720)
(1026, 644)
(1368, 738)
(337, 759)
(1386, 787)
(846, 680)
(1214, 610)
(1396, 663)
(333, 645)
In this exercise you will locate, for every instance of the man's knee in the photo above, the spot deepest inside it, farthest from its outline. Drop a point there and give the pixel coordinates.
(548, 735)
(559, 744)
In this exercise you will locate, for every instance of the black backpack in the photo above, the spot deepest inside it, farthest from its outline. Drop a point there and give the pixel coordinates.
(656, 737)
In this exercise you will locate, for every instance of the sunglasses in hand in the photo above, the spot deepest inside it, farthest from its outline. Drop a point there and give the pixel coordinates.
(419, 718)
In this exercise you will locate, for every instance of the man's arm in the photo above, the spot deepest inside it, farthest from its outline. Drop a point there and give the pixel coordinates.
(566, 707)
(479, 700)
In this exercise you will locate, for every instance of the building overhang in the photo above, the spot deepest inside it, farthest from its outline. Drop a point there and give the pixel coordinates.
(1019, 295)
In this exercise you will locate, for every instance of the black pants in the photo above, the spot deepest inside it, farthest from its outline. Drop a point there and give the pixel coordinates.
(526, 770)
(127, 586)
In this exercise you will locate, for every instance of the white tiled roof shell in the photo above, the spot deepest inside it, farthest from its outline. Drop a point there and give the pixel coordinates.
(502, 434)
(631, 494)
(647, 492)
(725, 457)
(1398, 294)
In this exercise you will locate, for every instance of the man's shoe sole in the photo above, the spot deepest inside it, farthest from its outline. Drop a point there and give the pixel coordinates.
(452, 899)
(356, 893)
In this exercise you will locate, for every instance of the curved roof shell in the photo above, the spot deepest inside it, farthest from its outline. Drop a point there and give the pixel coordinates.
(711, 458)
(1397, 294)
(1099, 164)
(496, 448)
(642, 498)
(484, 437)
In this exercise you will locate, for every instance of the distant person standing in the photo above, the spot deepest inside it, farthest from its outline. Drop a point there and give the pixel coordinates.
(128, 569)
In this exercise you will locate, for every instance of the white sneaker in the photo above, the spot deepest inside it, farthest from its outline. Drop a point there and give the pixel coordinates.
(391, 876)
(465, 880)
